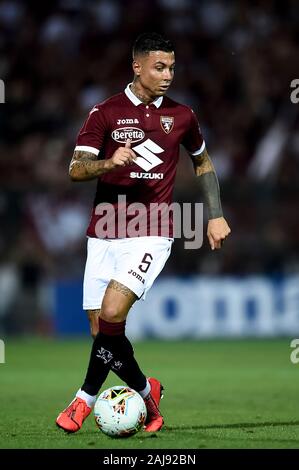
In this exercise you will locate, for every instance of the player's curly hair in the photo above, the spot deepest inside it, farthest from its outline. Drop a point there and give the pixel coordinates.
(148, 42)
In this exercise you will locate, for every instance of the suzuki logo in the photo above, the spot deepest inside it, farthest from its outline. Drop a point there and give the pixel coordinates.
(148, 151)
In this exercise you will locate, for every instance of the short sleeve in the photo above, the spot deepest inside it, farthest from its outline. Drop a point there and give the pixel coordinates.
(193, 140)
(92, 133)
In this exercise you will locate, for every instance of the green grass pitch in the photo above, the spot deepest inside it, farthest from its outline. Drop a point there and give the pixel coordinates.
(218, 394)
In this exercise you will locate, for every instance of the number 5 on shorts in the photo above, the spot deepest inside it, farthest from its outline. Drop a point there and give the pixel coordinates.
(146, 260)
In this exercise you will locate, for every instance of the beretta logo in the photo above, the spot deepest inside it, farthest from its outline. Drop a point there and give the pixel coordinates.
(123, 133)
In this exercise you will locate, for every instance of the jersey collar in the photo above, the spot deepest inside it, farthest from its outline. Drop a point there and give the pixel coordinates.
(136, 101)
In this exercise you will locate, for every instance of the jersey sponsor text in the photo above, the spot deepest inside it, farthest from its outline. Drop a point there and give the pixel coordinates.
(127, 121)
(146, 176)
(122, 134)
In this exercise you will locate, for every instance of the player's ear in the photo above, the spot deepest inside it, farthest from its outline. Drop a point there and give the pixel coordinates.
(136, 67)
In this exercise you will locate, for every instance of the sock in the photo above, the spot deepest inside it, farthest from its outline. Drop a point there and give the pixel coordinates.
(146, 391)
(126, 366)
(90, 399)
(112, 350)
(98, 367)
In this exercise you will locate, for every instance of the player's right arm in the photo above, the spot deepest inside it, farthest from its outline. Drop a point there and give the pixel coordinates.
(85, 166)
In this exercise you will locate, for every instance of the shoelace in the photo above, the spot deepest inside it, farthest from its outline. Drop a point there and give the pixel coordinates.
(71, 410)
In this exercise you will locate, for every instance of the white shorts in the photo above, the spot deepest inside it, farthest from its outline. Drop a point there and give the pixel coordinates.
(134, 262)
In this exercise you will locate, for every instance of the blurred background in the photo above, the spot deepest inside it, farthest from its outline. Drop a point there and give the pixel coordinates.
(235, 62)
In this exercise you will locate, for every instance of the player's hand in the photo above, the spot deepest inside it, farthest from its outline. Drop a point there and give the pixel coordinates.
(122, 156)
(218, 230)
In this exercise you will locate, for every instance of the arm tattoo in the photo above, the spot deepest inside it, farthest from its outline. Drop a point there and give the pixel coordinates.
(202, 163)
(121, 288)
(85, 166)
(208, 183)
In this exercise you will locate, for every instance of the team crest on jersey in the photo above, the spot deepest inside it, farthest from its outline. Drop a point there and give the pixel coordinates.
(167, 123)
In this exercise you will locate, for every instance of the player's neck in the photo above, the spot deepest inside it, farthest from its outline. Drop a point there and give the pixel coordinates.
(139, 91)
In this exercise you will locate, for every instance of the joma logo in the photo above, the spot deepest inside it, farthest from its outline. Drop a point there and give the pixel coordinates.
(140, 278)
(127, 121)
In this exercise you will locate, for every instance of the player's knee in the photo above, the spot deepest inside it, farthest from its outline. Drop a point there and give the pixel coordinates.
(111, 314)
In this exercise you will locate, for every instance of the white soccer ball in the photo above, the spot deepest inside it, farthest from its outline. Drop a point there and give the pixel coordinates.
(120, 411)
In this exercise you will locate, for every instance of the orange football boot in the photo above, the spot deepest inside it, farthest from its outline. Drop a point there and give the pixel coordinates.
(154, 420)
(72, 418)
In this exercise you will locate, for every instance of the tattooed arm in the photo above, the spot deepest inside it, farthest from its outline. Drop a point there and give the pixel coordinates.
(85, 166)
(218, 228)
(208, 183)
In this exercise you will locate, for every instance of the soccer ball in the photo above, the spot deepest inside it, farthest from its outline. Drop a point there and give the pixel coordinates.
(120, 411)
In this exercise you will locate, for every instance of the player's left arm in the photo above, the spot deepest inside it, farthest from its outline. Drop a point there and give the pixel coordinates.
(207, 180)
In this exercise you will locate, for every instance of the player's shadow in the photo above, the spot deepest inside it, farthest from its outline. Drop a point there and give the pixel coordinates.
(203, 427)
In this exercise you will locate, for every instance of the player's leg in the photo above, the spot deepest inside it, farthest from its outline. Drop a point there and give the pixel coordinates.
(112, 346)
(109, 342)
(101, 357)
(93, 318)
(98, 272)
(111, 306)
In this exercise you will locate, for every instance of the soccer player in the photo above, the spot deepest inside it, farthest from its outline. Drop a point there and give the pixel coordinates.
(130, 144)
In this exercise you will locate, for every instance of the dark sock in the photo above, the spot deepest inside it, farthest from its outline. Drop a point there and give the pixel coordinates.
(127, 368)
(98, 367)
(112, 350)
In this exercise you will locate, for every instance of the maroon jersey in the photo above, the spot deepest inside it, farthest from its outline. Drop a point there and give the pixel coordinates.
(156, 132)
